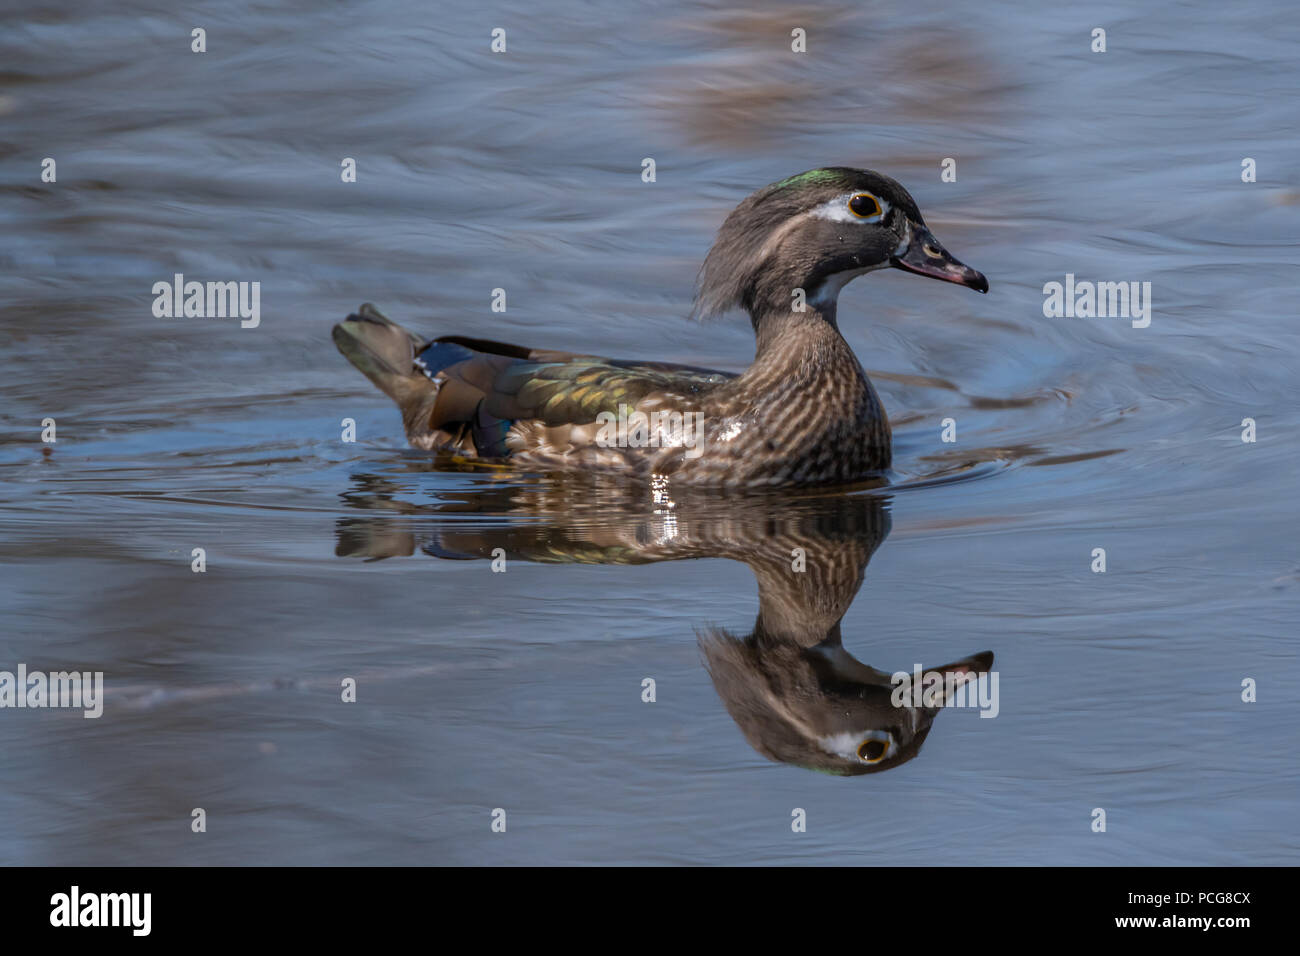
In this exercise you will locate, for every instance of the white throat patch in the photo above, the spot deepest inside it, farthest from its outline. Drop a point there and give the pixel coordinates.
(830, 288)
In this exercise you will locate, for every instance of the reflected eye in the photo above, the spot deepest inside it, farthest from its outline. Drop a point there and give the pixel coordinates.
(864, 206)
(872, 751)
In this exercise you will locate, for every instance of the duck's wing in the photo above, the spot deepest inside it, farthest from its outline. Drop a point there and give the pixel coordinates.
(492, 388)
(557, 389)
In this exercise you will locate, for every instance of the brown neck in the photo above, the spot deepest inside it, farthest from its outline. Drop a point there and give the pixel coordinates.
(778, 331)
(800, 349)
(810, 391)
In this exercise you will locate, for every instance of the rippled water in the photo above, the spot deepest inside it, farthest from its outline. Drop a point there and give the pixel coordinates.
(479, 690)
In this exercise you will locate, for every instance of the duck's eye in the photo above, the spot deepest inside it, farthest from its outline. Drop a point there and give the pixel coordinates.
(872, 751)
(864, 206)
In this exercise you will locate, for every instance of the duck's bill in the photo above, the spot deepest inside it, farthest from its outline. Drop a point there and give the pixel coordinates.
(962, 672)
(971, 666)
(926, 257)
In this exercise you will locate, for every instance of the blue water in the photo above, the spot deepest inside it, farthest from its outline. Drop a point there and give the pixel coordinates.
(523, 690)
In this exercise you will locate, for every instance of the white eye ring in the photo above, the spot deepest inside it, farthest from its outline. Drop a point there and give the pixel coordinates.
(849, 745)
(837, 210)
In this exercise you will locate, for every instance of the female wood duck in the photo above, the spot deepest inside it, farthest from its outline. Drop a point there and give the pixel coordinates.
(803, 414)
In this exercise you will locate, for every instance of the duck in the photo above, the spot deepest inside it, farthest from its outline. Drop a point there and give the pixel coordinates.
(803, 414)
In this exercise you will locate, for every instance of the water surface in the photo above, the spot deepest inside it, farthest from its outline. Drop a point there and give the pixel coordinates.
(522, 690)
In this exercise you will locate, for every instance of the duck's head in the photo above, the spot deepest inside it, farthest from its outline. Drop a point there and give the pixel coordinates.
(821, 708)
(817, 231)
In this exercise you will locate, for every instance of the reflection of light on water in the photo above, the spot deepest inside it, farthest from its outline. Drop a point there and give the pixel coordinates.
(730, 432)
(659, 494)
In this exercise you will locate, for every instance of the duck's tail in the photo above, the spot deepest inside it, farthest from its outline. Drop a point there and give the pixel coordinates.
(439, 385)
(385, 353)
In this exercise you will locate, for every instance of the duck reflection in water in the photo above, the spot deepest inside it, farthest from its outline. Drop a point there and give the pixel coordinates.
(797, 695)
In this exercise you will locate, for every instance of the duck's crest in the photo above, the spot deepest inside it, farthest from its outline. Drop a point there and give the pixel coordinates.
(809, 178)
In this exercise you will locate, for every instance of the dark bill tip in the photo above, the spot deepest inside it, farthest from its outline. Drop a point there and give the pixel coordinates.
(924, 256)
